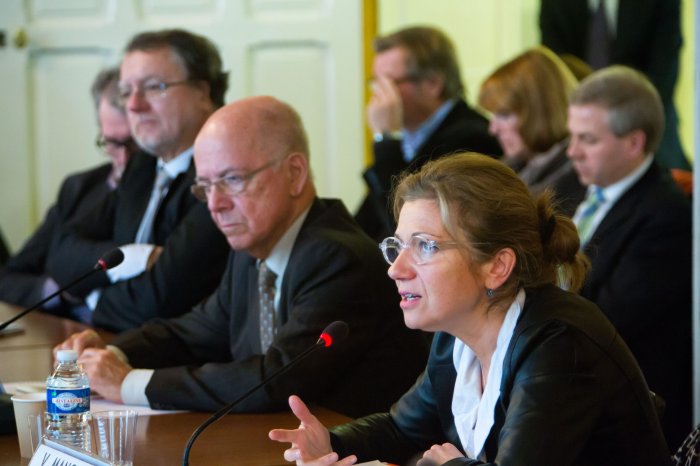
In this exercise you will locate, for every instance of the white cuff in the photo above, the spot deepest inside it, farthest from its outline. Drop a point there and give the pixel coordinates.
(134, 263)
(93, 298)
(133, 389)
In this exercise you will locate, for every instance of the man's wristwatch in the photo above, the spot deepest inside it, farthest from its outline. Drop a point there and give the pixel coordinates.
(388, 136)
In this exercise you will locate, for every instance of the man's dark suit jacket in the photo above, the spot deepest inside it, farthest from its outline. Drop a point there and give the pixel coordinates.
(463, 129)
(4, 250)
(641, 277)
(188, 270)
(211, 356)
(22, 279)
(648, 38)
(570, 394)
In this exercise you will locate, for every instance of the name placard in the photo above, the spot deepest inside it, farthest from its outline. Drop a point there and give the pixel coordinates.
(52, 453)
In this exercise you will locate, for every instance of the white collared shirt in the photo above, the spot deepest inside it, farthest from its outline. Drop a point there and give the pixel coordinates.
(473, 410)
(413, 140)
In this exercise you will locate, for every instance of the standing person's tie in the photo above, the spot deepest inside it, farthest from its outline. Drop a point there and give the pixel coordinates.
(584, 223)
(160, 189)
(266, 293)
(599, 38)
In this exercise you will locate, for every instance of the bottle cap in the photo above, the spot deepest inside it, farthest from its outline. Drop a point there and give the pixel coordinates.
(66, 355)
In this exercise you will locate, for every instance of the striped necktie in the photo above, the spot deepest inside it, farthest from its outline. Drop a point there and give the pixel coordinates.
(585, 222)
(266, 294)
(160, 188)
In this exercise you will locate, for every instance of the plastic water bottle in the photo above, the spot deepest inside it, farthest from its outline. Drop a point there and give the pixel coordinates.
(68, 402)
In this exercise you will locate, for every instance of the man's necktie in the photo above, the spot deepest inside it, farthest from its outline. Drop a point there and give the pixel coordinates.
(599, 39)
(585, 222)
(160, 189)
(266, 293)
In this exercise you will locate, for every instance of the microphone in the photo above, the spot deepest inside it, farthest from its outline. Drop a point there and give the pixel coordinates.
(111, 259)
(333, 333)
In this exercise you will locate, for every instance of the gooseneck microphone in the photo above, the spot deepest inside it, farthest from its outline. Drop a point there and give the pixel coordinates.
(111, 259)
(333, 333)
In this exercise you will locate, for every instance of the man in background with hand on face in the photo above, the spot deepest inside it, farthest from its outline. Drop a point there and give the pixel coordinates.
(300, 263)
(417, 112)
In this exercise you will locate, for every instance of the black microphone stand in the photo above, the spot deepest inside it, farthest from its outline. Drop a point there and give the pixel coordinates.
(223, 411)
(48, 298)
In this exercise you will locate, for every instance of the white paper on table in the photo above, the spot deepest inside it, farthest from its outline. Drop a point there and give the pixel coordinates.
(97, 403)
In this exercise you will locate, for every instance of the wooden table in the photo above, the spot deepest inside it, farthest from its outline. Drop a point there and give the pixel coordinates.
(27, 355)
(237, 439)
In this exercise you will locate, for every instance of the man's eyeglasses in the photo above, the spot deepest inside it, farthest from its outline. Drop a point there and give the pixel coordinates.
(422, 249)
(150, 90)
(403, 79)
(229, 185)
(109, 145)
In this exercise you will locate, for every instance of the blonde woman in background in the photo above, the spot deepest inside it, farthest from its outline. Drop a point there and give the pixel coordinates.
(528, 99)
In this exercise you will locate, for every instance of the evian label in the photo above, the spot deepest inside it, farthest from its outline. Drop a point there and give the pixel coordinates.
(73, 401)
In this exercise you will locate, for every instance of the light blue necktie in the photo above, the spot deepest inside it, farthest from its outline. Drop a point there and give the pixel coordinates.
(160, 188)
(585, 222)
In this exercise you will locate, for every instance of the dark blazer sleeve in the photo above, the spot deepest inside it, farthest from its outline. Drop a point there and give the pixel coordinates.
(199, 337)
(22, 279)
(189, 269)
(80, 242)
(647, 232)
(4, 250)
(420, 419)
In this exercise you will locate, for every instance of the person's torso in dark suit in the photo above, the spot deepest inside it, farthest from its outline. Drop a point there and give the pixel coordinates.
(188, 270)
(463, 129)
(641, 277)
(23, 277)
(647, 38)
(335, 272)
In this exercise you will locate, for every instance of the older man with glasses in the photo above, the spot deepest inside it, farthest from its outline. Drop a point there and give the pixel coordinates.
(24, 281)
(170, 82)
(300, 263)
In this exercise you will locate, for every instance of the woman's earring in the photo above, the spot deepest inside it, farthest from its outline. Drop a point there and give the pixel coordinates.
(490, 292)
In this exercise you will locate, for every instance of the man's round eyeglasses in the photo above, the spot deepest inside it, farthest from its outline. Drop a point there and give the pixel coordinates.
(150, 89)
(421, 249)
(229, 185)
